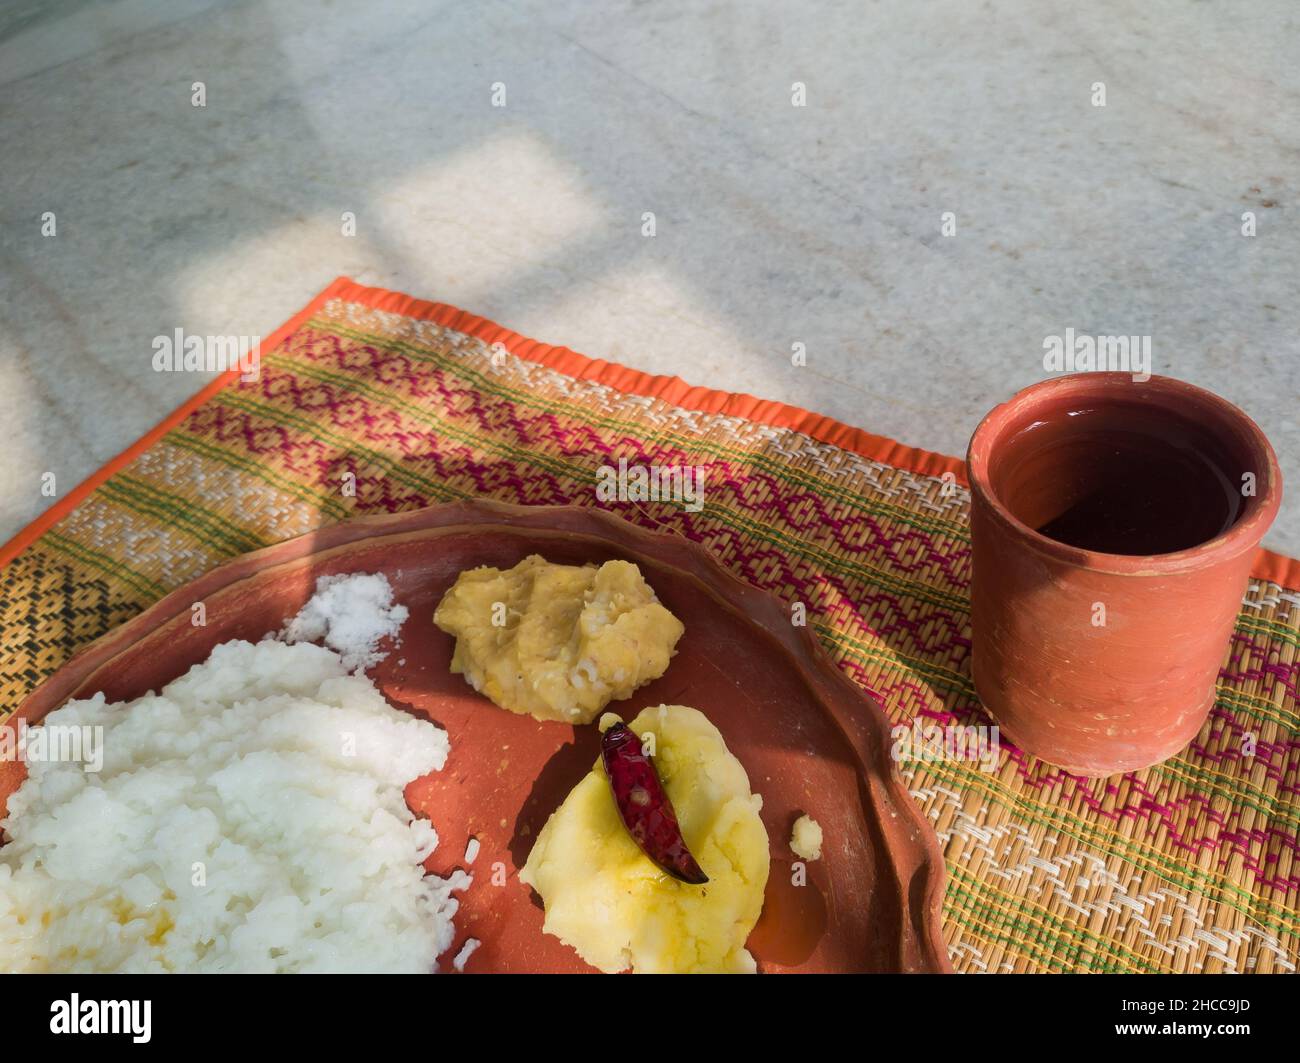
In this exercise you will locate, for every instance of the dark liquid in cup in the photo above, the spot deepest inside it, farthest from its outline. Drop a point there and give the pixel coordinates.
(1120, 479)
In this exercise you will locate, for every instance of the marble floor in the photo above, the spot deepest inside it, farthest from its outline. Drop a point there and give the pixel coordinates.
(775, 224)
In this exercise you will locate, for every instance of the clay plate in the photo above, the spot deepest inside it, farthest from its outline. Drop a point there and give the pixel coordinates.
(809, 739)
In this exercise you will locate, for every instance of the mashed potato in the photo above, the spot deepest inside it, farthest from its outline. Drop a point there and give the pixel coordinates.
(557, 642)
(248, 817)
(608, 900)
(806, 838)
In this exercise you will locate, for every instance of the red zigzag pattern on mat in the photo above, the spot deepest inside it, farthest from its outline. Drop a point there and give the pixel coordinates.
(755, 492)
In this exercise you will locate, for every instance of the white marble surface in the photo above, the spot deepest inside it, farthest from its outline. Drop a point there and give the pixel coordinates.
(775, 224)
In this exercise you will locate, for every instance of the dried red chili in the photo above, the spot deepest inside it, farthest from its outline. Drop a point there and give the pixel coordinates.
(644, 807)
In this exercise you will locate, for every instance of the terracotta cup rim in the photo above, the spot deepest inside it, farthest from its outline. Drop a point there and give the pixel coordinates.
(1176, 396)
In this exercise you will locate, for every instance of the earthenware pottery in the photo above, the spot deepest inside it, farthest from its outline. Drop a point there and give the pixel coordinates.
(1114, 523)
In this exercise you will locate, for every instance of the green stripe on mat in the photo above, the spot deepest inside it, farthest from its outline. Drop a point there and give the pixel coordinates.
(105, 564)
(323, 503)
(184, 514)
(1022, 907)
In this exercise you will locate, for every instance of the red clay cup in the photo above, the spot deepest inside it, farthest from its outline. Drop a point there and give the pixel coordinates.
(1103, 661)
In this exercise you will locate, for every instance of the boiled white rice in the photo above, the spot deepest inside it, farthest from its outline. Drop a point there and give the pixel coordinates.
(248, 817)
